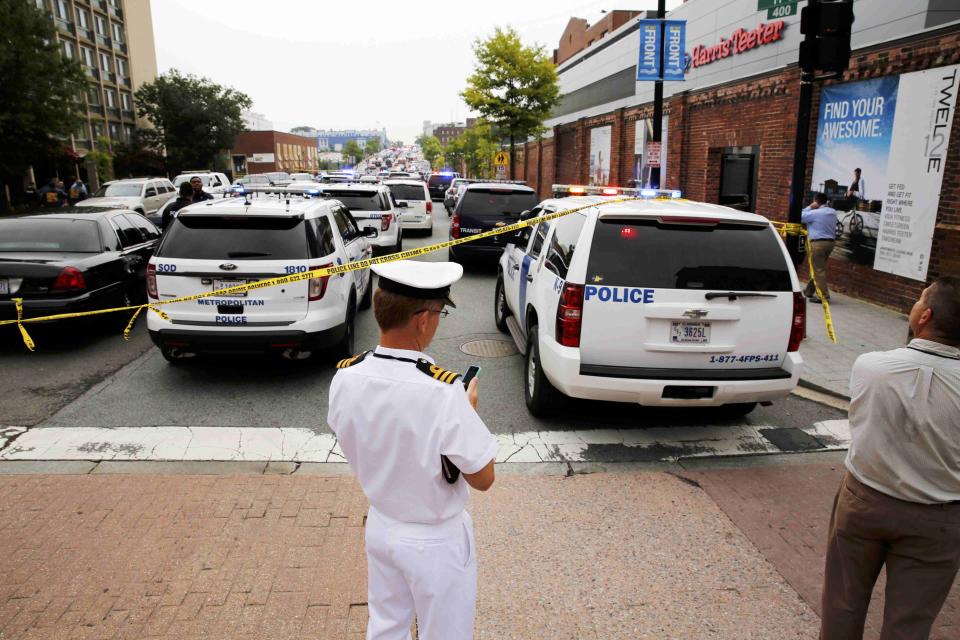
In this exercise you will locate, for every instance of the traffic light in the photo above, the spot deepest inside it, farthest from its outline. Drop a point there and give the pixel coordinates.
(826, 25)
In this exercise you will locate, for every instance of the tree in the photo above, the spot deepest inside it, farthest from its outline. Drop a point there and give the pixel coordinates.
(475, 147)
(102, 157)
(352, 150)
(431, 148)
(373, 146)
(135, 158)
(194, 118)
(39, 92)
(512, 86)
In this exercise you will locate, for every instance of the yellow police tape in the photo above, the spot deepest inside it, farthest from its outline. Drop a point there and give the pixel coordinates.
(795, 229)
(344, 268)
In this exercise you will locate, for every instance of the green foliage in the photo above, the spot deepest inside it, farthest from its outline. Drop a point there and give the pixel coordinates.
(194, 118)
(102, 158)
(512, 86)
(373, 146)
(135, 158)
(352, 150)
(432, 150)
(39, 89)
(475, 147)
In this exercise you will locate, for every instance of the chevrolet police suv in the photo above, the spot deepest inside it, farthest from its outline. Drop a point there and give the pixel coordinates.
(658, 301)
(218, 244)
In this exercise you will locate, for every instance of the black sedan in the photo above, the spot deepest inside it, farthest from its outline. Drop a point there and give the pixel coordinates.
(73, 259)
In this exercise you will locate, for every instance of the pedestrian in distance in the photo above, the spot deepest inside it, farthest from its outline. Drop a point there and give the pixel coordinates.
(401, 421)
(199, 195)
(899, 501)
(184, 198)
(52, 195)
(78, 191)
(821, 221)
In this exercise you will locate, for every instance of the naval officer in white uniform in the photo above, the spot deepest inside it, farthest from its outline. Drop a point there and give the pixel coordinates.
(395, 413)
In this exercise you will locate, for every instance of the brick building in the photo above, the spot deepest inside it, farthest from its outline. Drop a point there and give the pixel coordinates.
(447, 132)
(729, 128)
(267, 151)
(579, 34)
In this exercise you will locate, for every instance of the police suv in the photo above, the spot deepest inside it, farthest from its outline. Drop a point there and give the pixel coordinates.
(659, 301)
(218, 244)
(373, 207)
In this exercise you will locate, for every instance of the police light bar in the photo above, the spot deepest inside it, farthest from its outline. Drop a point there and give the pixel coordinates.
(564, 190)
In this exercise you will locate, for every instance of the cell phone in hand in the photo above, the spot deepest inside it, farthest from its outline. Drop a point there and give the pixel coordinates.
(472, 372)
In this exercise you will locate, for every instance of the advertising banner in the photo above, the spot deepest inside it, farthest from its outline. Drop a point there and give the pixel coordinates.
(600, 155)
(648, 64)
(675, 44)
(880, 154)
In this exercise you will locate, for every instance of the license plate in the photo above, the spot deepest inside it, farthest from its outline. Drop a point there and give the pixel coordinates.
(4, 286)
(690, 332)
(226, 284)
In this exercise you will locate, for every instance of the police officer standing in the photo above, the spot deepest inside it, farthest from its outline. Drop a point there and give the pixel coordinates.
(395, 413)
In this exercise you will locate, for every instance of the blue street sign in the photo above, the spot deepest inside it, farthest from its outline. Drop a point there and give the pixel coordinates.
(648, 64)
(675, 42)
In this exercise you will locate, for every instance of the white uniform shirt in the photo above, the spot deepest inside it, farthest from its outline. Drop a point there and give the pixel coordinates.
(393, 422)
(905, 422)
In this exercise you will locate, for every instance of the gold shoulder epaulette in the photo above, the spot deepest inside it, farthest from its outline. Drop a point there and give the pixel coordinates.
(349, 362)
(437, 373)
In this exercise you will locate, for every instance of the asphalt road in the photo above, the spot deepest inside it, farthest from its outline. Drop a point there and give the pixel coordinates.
(82, 376)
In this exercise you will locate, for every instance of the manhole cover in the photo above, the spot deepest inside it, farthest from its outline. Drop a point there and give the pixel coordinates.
(489, 348)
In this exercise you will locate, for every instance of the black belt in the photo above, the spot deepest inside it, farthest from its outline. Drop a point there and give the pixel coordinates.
(824, 240)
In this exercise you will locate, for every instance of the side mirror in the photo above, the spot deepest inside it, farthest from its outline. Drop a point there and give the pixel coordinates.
(526, 215)
(370, 232)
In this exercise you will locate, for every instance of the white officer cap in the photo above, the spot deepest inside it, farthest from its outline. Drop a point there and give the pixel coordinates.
(421, 280)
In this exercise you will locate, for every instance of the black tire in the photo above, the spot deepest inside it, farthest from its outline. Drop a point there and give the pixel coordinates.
(500, 309)
(120, 319)
(344, 348)
(367, 298)
(738, 410)
(399, 247)
(542, 398)
(452, 257)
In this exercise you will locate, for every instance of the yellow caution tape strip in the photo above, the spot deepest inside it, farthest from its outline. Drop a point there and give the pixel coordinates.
(795, 229)
(344, 268)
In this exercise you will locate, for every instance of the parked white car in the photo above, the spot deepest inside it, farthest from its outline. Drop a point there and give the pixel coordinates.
(413, 200)
(143, 195)
(213, 182)
(660, 301)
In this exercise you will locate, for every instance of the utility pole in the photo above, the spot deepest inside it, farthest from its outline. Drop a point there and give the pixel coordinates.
(658, 98)
(800, 148)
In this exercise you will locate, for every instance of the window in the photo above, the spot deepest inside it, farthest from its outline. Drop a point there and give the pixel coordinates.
(117, 31)
(63, 9)
(105, 62)
(541, 234)
(235, 238)
(40, 5)
(101, 25)
(321, 240)
(346, 225)
(497, 202)
(122, 67)
(126, 101)
(114, 131)
(93, 96)
(68, 51)
(724, 256)
(409, 192)
(97, 130)
(129, 235)
(86, 54)
(49, 234)
(119, 189)
(562, 243)
(359, 200)
(82, 18)
(128, 133)
(144, 226)
(111, 98)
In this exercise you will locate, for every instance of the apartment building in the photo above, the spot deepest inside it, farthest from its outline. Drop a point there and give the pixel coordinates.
(113, 40)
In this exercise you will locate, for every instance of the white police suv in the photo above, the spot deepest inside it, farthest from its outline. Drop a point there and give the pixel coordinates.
(659, 301)
(373, 207)
(413, 200)
(221, 243)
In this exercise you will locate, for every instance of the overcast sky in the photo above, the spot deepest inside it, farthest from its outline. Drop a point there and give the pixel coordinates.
(350, 64)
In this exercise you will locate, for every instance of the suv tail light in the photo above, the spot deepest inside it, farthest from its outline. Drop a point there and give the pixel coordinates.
(429, 206)
(455, 225)
(70, 279)
(152, 281)
(318, 286)
(798, 325)
(570, 315)
(385, 221)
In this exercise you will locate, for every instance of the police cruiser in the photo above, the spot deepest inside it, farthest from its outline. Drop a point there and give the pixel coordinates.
(373, 207)
(658, 301)
(218, 244)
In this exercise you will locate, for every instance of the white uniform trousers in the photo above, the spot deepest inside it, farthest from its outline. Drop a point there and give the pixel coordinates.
(425, 570)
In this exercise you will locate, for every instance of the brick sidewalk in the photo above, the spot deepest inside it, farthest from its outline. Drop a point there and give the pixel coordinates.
(609, 555)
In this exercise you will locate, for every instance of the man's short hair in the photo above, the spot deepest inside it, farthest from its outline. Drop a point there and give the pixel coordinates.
(192, 178)
(820, 197)
(393, 310)
(857, 169)
(186, 189)
(944, 300)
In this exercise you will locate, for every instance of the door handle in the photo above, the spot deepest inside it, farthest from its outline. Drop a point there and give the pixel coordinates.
(529, 277)
(516, 267)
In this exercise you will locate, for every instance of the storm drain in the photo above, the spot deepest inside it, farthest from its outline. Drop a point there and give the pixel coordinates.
(489, 348)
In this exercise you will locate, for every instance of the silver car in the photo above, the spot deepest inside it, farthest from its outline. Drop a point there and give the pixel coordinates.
(143, 195)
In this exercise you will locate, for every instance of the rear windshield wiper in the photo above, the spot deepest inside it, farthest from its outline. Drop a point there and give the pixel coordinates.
(733, 295)
(247, 254)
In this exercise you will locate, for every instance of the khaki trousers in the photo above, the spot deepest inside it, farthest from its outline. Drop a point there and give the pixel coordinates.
(820, 252)
(919, 544)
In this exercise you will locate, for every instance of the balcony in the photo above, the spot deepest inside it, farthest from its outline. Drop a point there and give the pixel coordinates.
(125, 81)
(109, 76)
(119, 46)
(85, 33)
(115, 11)
(99, 4)
(113, 112)
(104, 41)
(92, 72)
(95, 108)
(128, 114)
(65, 26)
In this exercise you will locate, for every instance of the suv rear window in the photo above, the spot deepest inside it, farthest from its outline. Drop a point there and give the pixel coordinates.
(436, 181)
(408, 191)
(726, 256)
(235, 238)
(358, 200)
(488, 203)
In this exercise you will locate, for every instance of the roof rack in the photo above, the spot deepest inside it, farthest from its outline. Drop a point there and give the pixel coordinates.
(475, 181)
(565, 190)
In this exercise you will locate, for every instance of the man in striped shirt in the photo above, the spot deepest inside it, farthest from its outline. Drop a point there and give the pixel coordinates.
(899, 502)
